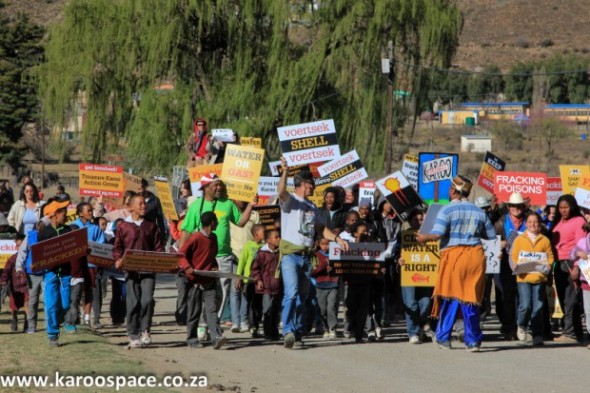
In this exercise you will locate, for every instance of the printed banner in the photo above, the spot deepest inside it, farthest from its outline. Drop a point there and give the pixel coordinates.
(367, 190)
(410, 169)
(223, 134)
(241, 170)
(554, 190)
(436, 170)
(269, 186)
(491, 249)
(571, 175)
(195, 173)
(531, 185)
(361, 252)
(163, 190)
(270, 216)
(421, 261)
(150, 261)
(400, 194)
(7, 249)
(101, 255)
(490, 165)
(251, 141)
(582, 194)
(309, 142)
(59, 250)
(345, 171)
(96, 180)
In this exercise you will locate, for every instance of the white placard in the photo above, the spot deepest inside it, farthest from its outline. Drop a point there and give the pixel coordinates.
(491, 249)
(361, 252)
(584, 266)
(315, 142)
(530, 262)
(345, 171)
(437, 170)
(223, 134)
(410, 170)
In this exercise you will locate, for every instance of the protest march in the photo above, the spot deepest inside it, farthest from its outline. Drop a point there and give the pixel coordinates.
(283, 257)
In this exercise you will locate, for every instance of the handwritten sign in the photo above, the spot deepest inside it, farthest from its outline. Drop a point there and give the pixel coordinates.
(59, 250)
(309, 142)
(344, 171)
(241, 171)
(410, 169)
(150, 261)
(530, 262)
(101, 255)
(491, 250)
(421, 261)
(436, 172)
(96, 180)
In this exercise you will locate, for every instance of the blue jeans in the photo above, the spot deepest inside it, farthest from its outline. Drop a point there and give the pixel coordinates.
(448, 314)
(239, 306)
(57, 301)
(530, 306)
(417, 307)
(295, 270)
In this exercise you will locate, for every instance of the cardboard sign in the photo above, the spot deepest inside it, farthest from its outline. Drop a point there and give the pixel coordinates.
(402, 197)
(584, 266)
(241, 170)
(132, 182)
(195, 173)
(150, 261)
(491, 250)
(223, 134)
(367, 190)
(421, 261)
(251, 141)
(529, 262)
(310, 142)
(270, 216)
(96, 180)
(321, 184)
(163, 190)
(344, 171)
(410, 169)
(490, 165)
(101, 255)
(531, 185)
(436, 172)
(554, 190)
(361, 252)
(582, 194)
(59, 250)
(571, 175)
(7, 249)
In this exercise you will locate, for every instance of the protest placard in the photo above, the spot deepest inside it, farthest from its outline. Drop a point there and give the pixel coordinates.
(436, 170)
(250, 141)
(490, 165)
(150, 261)
(421, 261)
(491, 250)
(584, 266)
(531, 185)
(554, 190)
(530, 262)
(269, 186)
(59, 250)
(71, 215)
(402, 197)
(344, 171)
(365, 259)
(96, 180)
(270, 216)
(571, 175)
(163, 190)
(7, 249)
(410, 169)
(195, 173)
(321, 185)
(367, 190)
(582, 194)
(309, 142)
(241, 170)
(101, 255)
(430, 218)
(223, 134)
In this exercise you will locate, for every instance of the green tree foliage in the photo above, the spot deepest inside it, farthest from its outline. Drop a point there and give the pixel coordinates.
(509, 133)
(550, 129)
(252, 65)
(20, 52)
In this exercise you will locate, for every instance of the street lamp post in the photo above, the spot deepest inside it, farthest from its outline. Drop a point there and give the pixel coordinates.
(387, 67)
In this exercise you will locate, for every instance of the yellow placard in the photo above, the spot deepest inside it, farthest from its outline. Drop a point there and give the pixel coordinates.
(195, 173)
(165, 195)
(250, 141)
(421, 261)
(571, 175)
(241, 171)
(318, 194)
(411, 158)
(7, 249)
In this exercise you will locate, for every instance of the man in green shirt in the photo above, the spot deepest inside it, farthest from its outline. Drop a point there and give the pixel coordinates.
(227, 212)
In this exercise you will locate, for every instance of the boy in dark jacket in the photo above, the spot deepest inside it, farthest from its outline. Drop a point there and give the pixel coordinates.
(268, 283)
(199, 253)
(327, 285)
(137, 233)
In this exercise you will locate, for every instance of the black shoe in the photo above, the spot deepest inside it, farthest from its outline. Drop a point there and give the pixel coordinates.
(219, 342)
(14, 326)
(25, 326)
(195, 344)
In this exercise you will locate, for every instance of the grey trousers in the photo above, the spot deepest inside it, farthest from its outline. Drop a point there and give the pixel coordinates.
(140, 303)
(328, 300)
(76, 292)
(227, 264)
(199, 295)
(183, 286)
(36, 286)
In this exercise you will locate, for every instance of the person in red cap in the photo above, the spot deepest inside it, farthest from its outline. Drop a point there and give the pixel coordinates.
(197, 144)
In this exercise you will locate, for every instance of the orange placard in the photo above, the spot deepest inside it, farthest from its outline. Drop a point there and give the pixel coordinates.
(97, 179)
(150, 261)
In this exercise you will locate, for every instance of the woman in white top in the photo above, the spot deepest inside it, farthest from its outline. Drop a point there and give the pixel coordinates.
(25, 212)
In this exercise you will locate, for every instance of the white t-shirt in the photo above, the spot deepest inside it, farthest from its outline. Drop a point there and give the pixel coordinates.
(298, 218)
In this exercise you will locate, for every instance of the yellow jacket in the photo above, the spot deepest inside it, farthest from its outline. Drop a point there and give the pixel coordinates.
(524, 243)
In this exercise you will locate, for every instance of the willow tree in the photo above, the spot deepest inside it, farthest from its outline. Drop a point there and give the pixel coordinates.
(249, 65)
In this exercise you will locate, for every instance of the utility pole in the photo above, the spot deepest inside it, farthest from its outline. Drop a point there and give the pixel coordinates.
(387, 67)
(43, 153)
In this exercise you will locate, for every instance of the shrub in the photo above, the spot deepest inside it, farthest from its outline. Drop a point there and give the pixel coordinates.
(546, 43)
(521, 43)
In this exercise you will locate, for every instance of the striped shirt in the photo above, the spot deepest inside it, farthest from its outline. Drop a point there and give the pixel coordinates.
(461, 223)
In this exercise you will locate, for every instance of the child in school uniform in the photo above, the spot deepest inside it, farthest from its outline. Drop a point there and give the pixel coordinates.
(199, 253)
(327, 286)
(137, 233)
(18, 289)
(269, 284)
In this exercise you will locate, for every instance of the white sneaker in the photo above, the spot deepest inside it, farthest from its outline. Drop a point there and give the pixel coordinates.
(521, 334)
(332, 335)
(146, 339)
(244, 328)
(379, 333)
(326, 335)
(235, 329)
(134, 344)
(415, 340)
(347, 334)
(201, 333)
